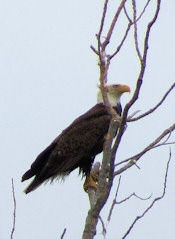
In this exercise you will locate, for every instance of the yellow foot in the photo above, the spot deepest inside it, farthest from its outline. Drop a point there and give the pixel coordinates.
(91, 181)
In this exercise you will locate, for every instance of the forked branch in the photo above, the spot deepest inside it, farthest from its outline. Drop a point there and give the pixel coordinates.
(107, 169)
(138, 84)
(153, 202)
(132, 160)
(154, 108)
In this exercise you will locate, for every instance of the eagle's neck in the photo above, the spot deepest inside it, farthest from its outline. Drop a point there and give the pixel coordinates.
(114, 99)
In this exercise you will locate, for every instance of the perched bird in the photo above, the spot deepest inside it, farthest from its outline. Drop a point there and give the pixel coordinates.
(78, 144)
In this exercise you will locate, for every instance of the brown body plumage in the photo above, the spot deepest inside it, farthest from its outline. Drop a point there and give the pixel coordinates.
(75, 147)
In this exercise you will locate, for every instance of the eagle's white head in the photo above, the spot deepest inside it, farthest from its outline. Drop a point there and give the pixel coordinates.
(114, 93)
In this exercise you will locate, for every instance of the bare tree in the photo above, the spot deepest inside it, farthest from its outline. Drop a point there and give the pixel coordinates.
(109, 168)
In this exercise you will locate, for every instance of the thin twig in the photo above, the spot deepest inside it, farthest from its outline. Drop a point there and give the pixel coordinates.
(63, 234)
(144, 9)
(135, 30)
(109, 34)
(122, 41)
(126, 14)
(122, 201)
(132, 160)
(14, 210)
(132, 115)
(114, 200)
(153, 202)
(138, 84)
(154, 108)
(103, 226)
(133, 195)
(94, 50)
(164, 144)
(100, 32)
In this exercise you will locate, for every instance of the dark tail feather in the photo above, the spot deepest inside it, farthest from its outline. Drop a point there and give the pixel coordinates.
(30, 173)
(33, 185)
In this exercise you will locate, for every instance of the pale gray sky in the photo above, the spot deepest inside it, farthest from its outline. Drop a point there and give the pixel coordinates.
(48, 78)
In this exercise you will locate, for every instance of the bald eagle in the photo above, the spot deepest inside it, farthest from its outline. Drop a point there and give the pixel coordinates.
(78, 144)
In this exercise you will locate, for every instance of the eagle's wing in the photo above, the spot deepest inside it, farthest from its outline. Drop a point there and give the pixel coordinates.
(75, 147)
(39, 163)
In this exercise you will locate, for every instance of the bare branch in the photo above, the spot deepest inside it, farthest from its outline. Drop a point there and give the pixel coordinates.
(100, 31)
(122, 41)
(106, 175)
(149, 29)
(104, 185)
(103, 89)
(14, 210)
(132, 160)
(135, 30)
(154, 108)
(132, 115)
(156, 146)
(144, 9)
(153, 202)
(63, 234)
(135, 195)
(114, 201)
(103, 227)
(109, 34)
(138, 84)
(164, 144)
(102, 20)
(126, 14)
(122, 201)
(94, 50)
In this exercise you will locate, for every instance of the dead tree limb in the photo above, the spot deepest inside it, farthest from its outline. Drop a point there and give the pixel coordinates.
(106, 175)
(153, 202)
(63, 234)
(154, 108)
(132, 160)
(14, 210)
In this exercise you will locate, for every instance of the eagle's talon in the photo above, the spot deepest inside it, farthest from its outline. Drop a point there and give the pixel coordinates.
(91, 181)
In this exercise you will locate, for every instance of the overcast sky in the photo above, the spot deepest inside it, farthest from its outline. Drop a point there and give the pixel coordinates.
(48, 76)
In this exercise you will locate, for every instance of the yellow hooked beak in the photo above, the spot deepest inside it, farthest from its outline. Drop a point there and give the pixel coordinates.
(123, 88)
